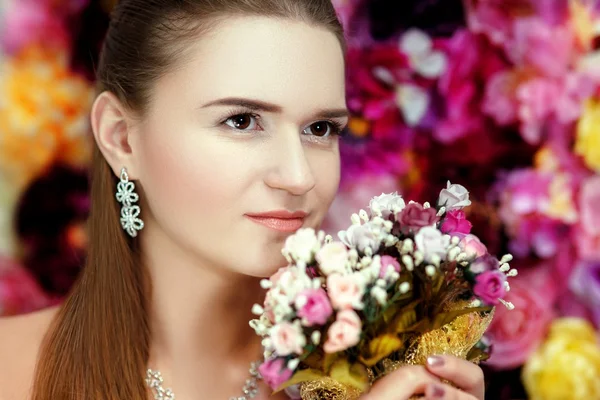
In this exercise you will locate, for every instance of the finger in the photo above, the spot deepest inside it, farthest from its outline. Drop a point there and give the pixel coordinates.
(462, 373)
(401, 384)
(439, 391)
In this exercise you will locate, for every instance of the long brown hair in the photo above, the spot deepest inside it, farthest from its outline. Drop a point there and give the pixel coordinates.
(98, 345)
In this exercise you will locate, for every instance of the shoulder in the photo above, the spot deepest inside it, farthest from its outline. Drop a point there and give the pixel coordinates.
(20, 340)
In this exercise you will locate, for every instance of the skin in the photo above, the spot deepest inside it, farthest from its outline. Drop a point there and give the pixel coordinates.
(198, 173)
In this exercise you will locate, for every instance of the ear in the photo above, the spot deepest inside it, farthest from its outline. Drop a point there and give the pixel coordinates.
(112, 126)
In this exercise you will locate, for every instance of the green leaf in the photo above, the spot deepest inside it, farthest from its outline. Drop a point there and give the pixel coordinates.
(304, 375)
(352, 375)
(328, 360)
(381, 347)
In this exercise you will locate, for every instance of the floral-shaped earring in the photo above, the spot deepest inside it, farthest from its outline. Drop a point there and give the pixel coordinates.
(129, 213)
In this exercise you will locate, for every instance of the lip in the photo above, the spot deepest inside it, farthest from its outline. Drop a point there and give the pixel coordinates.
(280, 220)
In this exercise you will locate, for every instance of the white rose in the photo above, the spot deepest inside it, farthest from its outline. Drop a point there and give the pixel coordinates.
(292, 282)
(302, 245)
(431, 241)
(362, 237)
(454, 196)
(333, 258)
(387, 204)
(288, 338)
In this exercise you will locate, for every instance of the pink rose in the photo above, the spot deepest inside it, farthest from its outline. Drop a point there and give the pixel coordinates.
(414, 216)
(316, 308)
(387, 263)
(288, 338)
(456, 222)
(471, 245)
(515, 334)
(344, 332)
(274, 372)
(588, 203)
(489, 286)
(332, 258)
(345, 291)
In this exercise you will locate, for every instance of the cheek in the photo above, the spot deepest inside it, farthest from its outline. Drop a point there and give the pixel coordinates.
(326, 170)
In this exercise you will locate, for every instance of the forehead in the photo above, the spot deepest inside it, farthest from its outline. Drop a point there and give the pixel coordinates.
(276, 60)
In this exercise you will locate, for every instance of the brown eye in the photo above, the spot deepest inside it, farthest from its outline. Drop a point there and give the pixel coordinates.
(320, 129)
(242, 122)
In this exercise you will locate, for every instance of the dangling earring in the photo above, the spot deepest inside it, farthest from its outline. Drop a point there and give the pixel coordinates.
(129, 213)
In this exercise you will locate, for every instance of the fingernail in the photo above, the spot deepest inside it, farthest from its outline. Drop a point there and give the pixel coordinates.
(435, 361)
(438, 392)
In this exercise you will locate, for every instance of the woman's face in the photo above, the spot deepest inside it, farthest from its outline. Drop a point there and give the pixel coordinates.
(246, 125)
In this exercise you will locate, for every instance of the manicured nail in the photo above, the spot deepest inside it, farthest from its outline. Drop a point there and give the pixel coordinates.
(438, 392)
(435, 361)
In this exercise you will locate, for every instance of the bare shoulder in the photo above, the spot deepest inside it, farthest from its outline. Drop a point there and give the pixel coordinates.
(20, 340)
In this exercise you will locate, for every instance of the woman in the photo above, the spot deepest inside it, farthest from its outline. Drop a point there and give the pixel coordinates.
(226, 115)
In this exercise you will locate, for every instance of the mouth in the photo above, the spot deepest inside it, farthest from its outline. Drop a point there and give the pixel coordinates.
(280, 221)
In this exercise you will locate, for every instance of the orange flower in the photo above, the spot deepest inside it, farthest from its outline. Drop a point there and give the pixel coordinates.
(43, 114)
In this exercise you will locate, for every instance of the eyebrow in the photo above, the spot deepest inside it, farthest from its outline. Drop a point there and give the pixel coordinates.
(257, 105)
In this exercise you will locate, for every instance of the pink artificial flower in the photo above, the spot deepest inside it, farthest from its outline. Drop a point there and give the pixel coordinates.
(536, 99)
(500, 100)
(415, 216)
(315, 307)
(288, 338)
(387, 263)
(274, 372)
(515, 334)
(344, 332)
(19, 291)
(589, 204)
(491, 18)
(27, 23)
(471, 245)
(345, 291)
(489, 286)
(332, 258)
(456, 222)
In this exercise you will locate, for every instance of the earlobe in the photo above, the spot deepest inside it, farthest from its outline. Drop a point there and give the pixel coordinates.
(109, 119)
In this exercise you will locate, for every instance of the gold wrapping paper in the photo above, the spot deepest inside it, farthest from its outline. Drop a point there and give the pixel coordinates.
(456, 338)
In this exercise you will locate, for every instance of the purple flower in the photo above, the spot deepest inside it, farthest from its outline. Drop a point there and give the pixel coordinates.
(483, 264)
(456, 222)
(414, 216)
(316, 309)
(274, 372)
(489, 286)
(585, 283)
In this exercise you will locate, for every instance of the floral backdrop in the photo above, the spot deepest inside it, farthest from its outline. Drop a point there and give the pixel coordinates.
(502, 96)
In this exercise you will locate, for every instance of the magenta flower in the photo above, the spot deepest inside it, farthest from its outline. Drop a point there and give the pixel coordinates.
(414, 216)
(489, 286)
(274, 372)
(316, 309)
(456, 222)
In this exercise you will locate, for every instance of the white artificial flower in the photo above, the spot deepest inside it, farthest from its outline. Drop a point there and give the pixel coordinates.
(454, 196)
(431, 242)
(363, 237)
(386, 204)
(413, 103)
(426, 61)
(302, 245)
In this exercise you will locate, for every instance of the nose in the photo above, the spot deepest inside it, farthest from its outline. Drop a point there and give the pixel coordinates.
(291, 169)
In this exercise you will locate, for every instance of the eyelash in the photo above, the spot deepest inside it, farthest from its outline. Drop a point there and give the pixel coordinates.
(337, 129)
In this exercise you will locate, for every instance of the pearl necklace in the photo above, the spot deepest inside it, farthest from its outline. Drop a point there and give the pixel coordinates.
(154, 380)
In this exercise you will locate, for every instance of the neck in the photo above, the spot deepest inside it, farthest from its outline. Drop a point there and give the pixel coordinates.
(199, 317)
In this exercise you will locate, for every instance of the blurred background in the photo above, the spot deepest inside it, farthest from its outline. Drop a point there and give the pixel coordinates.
(502, 96)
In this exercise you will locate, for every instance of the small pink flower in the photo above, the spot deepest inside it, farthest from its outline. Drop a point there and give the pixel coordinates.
(274, 372)
(387, 263)
(471, 245)
(276, 277)
(414, 216)
(489, 286)
(590, 205)
(288, 338)
(456, 222)
(316, 308)
(332, 258)
(344, 332)
(345, 291)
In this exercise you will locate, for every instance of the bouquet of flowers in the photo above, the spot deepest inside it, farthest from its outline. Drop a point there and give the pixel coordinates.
(404, 281)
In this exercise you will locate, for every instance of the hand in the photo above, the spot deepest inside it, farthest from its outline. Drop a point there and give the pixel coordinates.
(414, 380)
